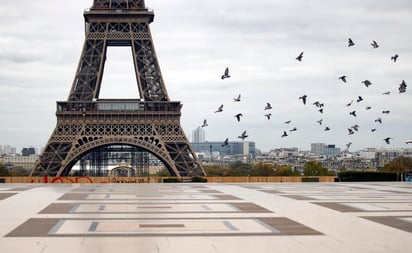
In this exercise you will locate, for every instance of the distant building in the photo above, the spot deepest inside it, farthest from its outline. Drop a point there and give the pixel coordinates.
(232, 149)
(28, 151)
(322, 149)
(198, 135)
(317, 148)
(8, 150)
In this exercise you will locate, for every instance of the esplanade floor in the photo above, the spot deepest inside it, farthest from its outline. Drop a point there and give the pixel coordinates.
(221, 218)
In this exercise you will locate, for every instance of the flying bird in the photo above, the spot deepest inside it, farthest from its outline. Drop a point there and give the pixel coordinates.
(243, 136)
(303, 99)
(374, 44)
(204, 123)
(402, 87)
(386, 112)
(350, 42)
(238, 116)
(318, 104)
(293, 129)
(320, 110)
(350, 131)
(320, 121)
(287, 122)
(348, 145)
(225, 143)
(367, 83)
(350, 103)
(388, 140)
(394, 58)
(327, 128)
(268, 115)
(226, 74)
(284, 134)
(368, 107)
(373, 130)
(386, 93)
(237, 99)
(408, 141)
(378, 120)
(343, 78)
(355, 127)
(360, 99)
(300, 56)
(268, 106)
(353, 113)
(220, 109)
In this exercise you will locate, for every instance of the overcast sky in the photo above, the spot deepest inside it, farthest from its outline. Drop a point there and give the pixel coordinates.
(41, 42)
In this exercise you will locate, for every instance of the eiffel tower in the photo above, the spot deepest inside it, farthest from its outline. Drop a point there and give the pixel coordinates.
(87, 124)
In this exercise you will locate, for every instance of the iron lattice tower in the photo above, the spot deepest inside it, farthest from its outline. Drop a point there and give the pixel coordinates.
(87, 124)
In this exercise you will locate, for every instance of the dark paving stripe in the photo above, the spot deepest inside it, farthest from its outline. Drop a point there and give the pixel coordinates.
(338, 207)
(59, 208)
(226, 197)
(272, 191)
(392, 221)
(289, 227)
(298, 197)
(250, 208)
(210, 191)
(34, 227)
(74, 196)
(6, 195)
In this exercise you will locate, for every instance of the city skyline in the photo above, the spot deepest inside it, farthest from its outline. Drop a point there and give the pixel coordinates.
(258, 41)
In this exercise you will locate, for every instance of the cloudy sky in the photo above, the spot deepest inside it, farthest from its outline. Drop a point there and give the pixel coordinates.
(41, 42)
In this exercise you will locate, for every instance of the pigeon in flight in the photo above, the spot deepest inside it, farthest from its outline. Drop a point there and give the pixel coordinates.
(220, 109)
(293, 129)
(386, 93)
(343, 78)
(378, 120)
(320, 121)
(388, 140)
(318, 104)
(284, 134)
(226, 74)
(368, 107)
(327, 128)
(360, 99)
(353, 113)
(237, 99)
(374, 44)
(348, 145)
(243, 136)
(350, 42)
(268, 115)
(394, 58)
(300, 56)
(373, 130)
(287, 122)
(355, 127)
(402, 87)
(367, 83)
(408, 142)
(386, 112)
(238, 116)
(350, 103)
(350, 131)
(225, 143)
(303, 99)
(320, 110)
(268, 106)
(204, 123)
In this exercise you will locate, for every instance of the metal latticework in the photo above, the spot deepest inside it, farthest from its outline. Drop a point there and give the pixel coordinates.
(86, 123)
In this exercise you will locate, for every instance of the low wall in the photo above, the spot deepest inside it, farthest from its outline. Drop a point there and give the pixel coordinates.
(98, 180)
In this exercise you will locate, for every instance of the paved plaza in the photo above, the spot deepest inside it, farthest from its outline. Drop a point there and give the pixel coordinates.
(194, 217)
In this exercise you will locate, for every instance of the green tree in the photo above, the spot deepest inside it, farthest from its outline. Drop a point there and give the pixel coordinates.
(313, 168)
(262, 170)
(213, 170)
(285, 171)
(400, 165)
(4, 172)
(239, 169)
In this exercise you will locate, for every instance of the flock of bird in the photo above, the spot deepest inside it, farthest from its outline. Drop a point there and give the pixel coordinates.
(319, 105)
